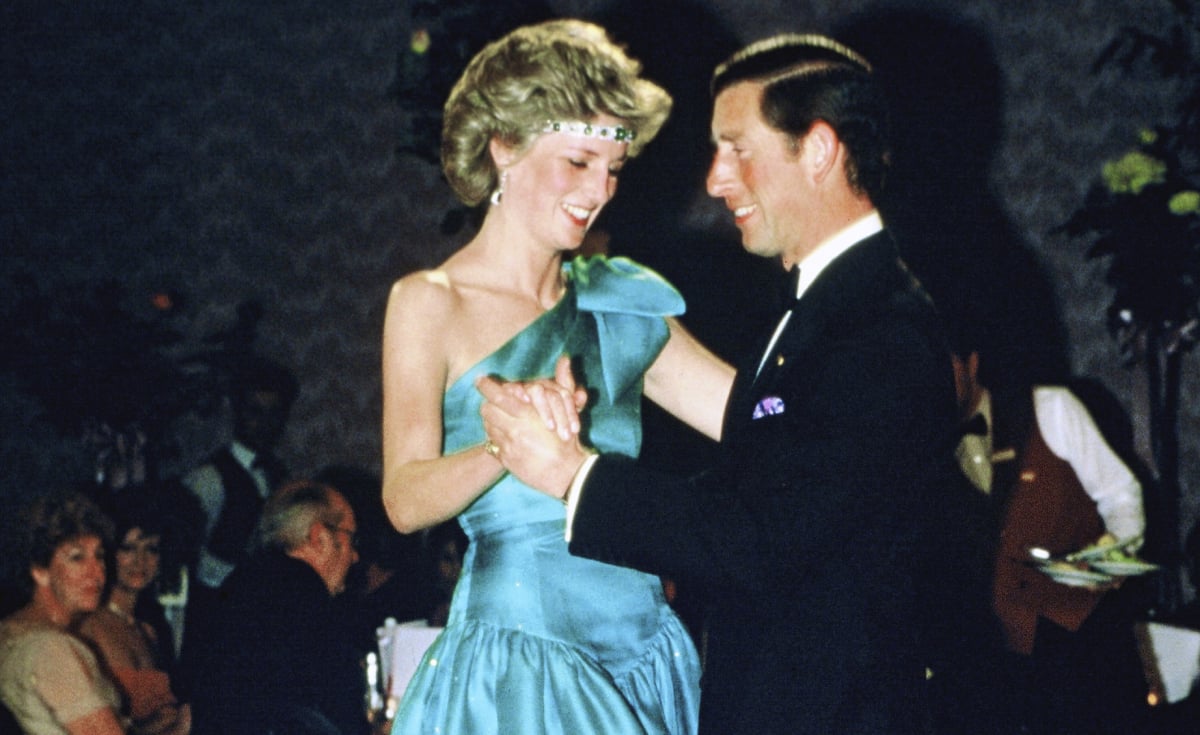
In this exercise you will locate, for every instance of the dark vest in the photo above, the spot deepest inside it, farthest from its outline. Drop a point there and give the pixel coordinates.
(1046, 507)
(240, 510)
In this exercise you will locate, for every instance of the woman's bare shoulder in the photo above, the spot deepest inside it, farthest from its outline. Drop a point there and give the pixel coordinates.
(423, 298)
(113, 637)
(100, 627)
(95, 623)
(417, 287)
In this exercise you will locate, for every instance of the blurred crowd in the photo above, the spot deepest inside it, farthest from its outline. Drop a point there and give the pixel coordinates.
(233, 599)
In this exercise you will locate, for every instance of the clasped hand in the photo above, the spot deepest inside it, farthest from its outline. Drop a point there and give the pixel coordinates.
(535, 426)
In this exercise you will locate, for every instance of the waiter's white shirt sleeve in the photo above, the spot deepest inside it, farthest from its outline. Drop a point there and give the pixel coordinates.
(1072, 435)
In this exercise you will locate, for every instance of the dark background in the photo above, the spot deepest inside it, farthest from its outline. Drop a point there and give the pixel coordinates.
(230, 150)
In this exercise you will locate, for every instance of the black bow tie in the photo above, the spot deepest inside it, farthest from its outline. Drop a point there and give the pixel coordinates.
(977, 424)
(787, 288)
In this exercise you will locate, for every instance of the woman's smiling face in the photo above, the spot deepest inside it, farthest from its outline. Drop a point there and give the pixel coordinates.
(137, 560)
(562, 182)
(75, 575)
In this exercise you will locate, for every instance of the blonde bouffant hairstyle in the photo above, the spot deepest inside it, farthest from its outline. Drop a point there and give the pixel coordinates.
(559, 70)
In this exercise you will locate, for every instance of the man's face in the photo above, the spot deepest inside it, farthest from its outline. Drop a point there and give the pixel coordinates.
(757, 170)
(260, 418)
(341, 553)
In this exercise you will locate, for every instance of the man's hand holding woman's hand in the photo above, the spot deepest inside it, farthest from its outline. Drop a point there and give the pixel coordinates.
(535, 427)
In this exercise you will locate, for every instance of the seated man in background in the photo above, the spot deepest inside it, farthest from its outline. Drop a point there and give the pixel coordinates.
(278, 659)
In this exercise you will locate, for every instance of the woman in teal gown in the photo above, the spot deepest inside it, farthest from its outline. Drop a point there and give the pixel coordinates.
(539, 641)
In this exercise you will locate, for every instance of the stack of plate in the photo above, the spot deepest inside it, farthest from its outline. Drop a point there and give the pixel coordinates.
(1092, 566)
(1128, 568)
(1073, 576)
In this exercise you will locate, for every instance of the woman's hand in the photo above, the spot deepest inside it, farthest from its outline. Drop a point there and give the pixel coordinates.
(533, 428)
(558, 402)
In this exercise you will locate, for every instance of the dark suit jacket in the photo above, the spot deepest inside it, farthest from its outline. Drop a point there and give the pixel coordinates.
(277, 659)
(804, 531)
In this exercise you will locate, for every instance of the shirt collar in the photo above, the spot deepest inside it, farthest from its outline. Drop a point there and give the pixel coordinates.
(841, 241)
(242, 453)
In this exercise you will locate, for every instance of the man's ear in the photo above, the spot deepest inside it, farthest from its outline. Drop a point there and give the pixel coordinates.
(316, 533)
(822, 150)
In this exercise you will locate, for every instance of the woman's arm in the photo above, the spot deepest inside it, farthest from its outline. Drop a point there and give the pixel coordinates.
(65, 675)
(169, 719)
(690, 382)
(97, 722)
(421, 487)
(100, 635)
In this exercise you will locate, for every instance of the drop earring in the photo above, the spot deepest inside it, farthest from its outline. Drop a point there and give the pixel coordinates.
(499, 192)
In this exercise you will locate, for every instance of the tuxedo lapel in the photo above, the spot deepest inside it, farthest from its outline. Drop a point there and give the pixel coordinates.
(740, 406)
(802, 328)
(750, 379)
(839, 292)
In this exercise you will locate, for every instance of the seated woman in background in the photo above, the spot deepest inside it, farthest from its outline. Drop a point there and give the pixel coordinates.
(49, 679)
(128, 644)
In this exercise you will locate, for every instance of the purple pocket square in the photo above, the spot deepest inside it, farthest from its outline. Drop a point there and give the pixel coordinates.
(769, 406)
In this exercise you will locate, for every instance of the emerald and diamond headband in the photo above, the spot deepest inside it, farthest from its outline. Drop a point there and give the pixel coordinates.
(617, 133)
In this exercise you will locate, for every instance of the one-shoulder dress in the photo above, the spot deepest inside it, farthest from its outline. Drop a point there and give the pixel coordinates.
(539, 641)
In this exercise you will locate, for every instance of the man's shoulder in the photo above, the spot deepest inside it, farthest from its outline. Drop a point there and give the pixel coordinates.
(1053, 402)
(270, 577)
(870, 277)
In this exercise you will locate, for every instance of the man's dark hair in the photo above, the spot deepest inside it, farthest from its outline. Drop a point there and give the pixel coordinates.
(807, 78)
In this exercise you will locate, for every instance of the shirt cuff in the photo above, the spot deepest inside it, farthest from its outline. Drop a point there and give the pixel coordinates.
(576, 489)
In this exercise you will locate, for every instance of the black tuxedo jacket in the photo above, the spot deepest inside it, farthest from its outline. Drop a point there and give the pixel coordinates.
(277, 658)
(804, 533)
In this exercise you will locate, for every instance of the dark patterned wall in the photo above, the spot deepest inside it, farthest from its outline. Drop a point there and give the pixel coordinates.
(228, 150)
(233, 150)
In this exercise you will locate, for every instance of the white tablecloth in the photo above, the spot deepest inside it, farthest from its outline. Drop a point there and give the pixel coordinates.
(1171, 658)
(401, 648)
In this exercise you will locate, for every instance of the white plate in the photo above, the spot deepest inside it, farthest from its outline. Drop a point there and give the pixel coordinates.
(1122, 568)
(1093, 552)
(1076, 577)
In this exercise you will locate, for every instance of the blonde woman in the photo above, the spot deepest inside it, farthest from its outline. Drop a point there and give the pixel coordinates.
(537, 641)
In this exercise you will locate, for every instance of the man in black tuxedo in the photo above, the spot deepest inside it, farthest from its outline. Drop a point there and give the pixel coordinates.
(808, 532)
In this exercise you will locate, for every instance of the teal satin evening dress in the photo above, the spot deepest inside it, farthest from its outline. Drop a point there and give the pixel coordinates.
(539, 641)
